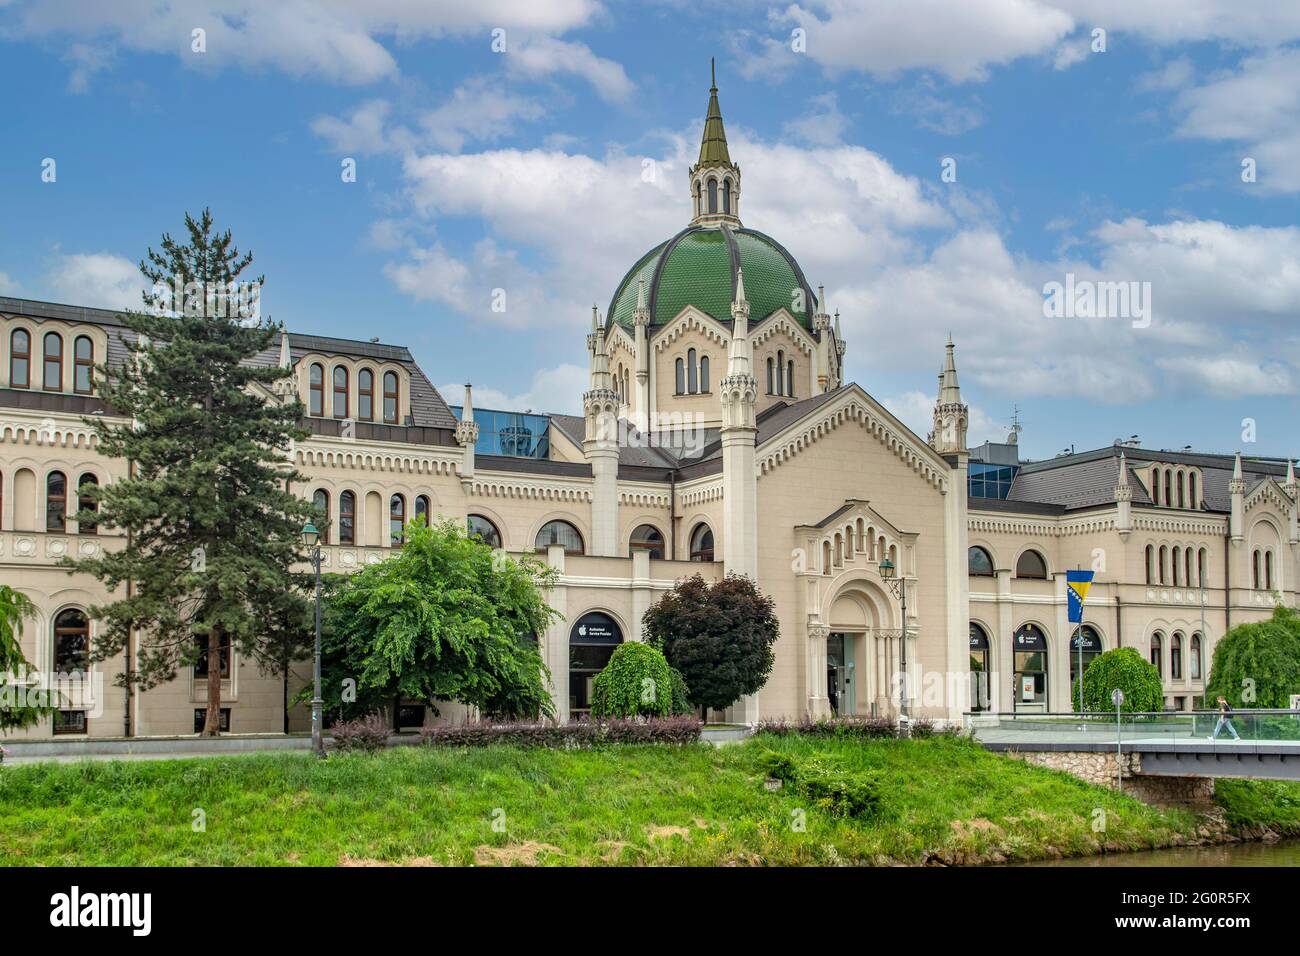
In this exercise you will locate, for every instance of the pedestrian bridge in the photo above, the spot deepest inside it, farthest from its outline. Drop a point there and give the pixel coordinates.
(1169, 744)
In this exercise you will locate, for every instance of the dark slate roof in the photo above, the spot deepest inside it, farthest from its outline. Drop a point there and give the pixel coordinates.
(427, 407)
(656, 450)
(1087, 479)
(121, 340)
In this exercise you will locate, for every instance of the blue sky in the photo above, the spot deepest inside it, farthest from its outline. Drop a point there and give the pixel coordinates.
(546, 169)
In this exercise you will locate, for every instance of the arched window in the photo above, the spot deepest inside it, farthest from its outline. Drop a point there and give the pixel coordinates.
(681, 377)
(699, 207)
(1031, 565)
(347, 518)
(871, 544)
(83, 355)
(1195, 661)
(316, 389)
(1029, 646)
(53, 381)
(477, 526)
(702, 543)
(561, 533)
(86, 485)
(726, 195)
(713, 195)
(1164, 563)
(826, 557)
(1192, 500)
(396, 520)
(422, 509)
(1268, 570)
(771, 374)
(780, 372)
(1157, 653)
(978, 562)
(1168, 489)
(1151, 561)
(692, 373)
(1187, 567)
(1182, 489)
(979, 668)
(1176, 657)
(1254, 569)
(1175, 568)
(704, 373)
(321, 502)
(839, 550)
(366, 395)
(789, 378)
(340, 392)
(1085, 643)
(1202, 568)
(71, 642)
(390, 398)
(56, 502)
(20, 359)
(647, 537)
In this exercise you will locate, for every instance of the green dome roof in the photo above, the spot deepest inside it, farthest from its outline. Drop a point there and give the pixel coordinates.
(698, 267)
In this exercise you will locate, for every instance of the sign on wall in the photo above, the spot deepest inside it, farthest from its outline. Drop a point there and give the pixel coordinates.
(595, 627)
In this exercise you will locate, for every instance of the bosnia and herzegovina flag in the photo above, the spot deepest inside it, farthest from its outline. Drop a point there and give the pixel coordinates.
(1077, 584)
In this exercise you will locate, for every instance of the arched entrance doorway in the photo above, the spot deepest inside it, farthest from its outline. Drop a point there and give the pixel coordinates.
(1029, 692)
(1086, 643)
(980, 667)
(592, 640)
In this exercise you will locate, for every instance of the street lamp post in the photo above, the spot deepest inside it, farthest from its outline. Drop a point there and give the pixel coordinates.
(311, 538)
(899, 587)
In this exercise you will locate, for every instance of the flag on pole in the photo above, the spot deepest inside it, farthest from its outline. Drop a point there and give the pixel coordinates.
(1077, 584)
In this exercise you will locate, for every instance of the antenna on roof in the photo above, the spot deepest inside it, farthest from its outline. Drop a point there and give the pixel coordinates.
(374, 339)
(1016, 427)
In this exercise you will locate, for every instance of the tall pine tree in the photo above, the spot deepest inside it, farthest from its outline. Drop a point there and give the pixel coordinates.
(213, 530)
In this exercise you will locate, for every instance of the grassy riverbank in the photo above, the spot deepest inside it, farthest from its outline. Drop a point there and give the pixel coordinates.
(941, 800)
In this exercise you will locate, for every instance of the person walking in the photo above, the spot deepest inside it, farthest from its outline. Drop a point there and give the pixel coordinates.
(1225, 720)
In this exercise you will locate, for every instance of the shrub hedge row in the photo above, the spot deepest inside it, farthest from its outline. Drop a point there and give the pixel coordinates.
(875, 728)
(368, 733)
(581, 733)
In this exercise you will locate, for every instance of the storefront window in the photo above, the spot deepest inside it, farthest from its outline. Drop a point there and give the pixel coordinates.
(1030, 646)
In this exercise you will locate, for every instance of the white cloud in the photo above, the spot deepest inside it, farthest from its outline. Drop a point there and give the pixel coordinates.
(337, 40)
(98, 279)
(478, 110)
(822, 125)
(553, 390)
(961, 40)
(1258, 106)
(547, 56)
(1173, 75)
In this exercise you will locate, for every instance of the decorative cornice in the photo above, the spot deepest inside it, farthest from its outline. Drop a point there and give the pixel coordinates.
(782, 321)
(485, 486)
(374, 459)
(691, 318)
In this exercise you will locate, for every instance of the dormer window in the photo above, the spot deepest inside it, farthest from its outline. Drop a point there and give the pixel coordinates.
(83, 365)
(20, 359)
(390, 398)
(316, 390)
(366, 395)
(53, 379)
(340, 392)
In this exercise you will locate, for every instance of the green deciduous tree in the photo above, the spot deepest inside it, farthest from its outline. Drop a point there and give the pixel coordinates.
(1126, 669)
(445, 618)
(15, 607)
(1258, 664)
(212, 527)
(718, 636)
(637, 682)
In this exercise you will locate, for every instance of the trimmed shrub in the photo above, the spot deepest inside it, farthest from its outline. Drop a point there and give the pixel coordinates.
(368, 734)
(636, 682)
(868, 727)
(1125, 668)
(580, 733)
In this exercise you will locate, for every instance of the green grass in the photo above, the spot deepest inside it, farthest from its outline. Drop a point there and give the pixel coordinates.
(1271, 803)
(946, 799)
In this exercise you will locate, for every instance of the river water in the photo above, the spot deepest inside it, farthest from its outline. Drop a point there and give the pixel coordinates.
(1283, 853)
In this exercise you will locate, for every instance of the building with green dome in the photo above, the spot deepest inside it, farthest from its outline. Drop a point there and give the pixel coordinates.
(719, 436)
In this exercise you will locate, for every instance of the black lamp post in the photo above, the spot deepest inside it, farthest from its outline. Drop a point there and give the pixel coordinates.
(311, 538)
(899, 587)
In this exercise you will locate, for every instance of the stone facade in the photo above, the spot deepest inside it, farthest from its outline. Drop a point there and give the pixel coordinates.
(1099, 768)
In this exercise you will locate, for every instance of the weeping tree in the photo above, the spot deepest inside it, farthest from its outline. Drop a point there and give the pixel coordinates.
(444, 619)
(16, 711)
(212, 529)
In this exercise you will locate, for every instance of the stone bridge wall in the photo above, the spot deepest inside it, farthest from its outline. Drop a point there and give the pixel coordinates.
(1098, 767)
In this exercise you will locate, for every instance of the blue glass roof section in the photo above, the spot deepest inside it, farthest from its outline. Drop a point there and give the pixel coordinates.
(512, 434)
